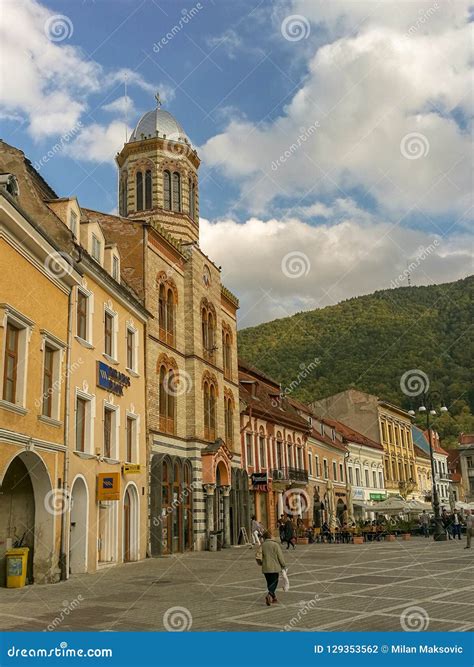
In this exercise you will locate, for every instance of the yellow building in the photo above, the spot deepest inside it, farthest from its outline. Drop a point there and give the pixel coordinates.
(384, 423)
(99, 495)
(36, 285)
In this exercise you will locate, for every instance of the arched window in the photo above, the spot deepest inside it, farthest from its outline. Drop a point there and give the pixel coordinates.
(208, 329)
(176, 198)
(262, 453)
(167, 190)
(192, 199)
(227, 353)
(166, 312)
(209, 395)
(167, 398)
(139, 191)
(123, 195)
(229, 419)
(148, 190)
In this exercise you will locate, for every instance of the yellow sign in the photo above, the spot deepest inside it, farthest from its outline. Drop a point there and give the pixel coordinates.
(108, 486)
(131, 469)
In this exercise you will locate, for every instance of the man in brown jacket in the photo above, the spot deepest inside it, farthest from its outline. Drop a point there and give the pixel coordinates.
(272, 564)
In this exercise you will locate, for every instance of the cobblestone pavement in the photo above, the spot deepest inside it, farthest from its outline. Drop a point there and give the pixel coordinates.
(417, 584)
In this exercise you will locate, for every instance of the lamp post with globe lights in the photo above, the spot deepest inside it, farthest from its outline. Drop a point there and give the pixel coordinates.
(427, 408)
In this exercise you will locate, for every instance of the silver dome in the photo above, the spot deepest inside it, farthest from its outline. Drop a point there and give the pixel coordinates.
(161, 122)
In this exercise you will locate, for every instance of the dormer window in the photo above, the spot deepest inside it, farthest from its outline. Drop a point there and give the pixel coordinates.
(115, 268)
(96, 248)
(73, 222)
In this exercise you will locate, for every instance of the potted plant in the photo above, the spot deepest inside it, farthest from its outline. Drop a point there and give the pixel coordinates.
(301, 535)
(406, 527)
(389, 534)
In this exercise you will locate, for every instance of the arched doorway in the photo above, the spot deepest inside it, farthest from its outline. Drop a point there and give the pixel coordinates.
(171, 505)
(78, 527)
(27, 513)
(130, 524)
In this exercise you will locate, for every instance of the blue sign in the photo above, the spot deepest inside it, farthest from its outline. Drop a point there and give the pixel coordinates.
(111, 379)
(225, 649)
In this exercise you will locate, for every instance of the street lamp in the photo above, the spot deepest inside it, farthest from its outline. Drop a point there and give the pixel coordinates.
(427, 407)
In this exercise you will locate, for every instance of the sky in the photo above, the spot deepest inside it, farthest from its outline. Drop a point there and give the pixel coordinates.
(334, 136)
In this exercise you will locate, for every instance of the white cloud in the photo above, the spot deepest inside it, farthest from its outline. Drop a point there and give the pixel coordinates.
(338, 261)
(99, 143)
(122, 106)
(51, 82)
(366, 91)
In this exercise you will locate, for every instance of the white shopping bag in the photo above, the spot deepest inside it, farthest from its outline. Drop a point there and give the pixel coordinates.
(285, 582)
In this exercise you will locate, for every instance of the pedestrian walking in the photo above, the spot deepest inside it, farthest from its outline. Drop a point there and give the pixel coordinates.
(281, 527)
(469, 526)
(425, 523)
(289, 534)
(272, 564)
(257, 530)
(456, 525)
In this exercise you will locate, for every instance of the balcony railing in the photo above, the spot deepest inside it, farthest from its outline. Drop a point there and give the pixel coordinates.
(290, 474)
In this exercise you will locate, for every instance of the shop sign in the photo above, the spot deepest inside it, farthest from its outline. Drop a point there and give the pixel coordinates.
(131, 469)
(377, 496)
(340, 494)
(259, 478)
(358, 494)
(108, 486)
(111, 379)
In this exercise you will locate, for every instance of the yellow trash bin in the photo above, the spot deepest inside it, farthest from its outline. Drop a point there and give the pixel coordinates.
(17, 561)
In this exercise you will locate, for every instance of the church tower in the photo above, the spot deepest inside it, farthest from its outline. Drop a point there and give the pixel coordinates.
(158, 175)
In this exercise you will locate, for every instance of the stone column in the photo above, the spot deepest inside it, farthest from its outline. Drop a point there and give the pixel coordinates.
(209, 489)
(226, 502)
(280, 504)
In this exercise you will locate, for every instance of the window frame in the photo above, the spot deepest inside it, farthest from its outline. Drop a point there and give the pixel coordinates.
(113, 315)
(132, 437)
(88, 432)
(24, 326)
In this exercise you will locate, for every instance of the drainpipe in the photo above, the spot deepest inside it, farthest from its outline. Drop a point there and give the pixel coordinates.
(64, 554)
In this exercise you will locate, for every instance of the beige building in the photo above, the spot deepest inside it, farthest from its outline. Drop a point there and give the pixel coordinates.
(384, 423)
(191, 350)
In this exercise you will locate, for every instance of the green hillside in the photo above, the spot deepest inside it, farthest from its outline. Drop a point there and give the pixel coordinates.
(369, 342)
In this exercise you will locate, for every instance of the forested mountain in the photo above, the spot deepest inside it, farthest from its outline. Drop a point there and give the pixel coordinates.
(369, 342)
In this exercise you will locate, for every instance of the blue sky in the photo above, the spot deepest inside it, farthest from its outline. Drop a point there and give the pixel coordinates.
(334, 137)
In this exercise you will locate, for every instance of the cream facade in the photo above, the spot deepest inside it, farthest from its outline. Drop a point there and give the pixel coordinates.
(107, 457)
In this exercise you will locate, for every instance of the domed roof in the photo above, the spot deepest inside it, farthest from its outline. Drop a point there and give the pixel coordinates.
(161, 122)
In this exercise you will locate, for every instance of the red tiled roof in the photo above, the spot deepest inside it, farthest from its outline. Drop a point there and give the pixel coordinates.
(351, 435)
(466, 438)
(435, 442)
(420, 452)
